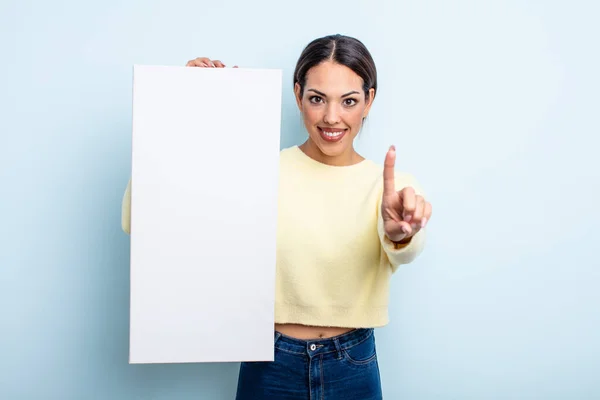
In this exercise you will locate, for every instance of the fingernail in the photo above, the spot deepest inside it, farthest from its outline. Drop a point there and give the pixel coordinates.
(393, 148)
(414, 226)
(407, 217)
(423, 222)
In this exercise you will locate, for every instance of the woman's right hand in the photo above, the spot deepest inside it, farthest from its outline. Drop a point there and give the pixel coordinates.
(204, 62)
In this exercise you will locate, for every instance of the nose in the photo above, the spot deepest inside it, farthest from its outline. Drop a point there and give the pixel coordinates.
(332, 114)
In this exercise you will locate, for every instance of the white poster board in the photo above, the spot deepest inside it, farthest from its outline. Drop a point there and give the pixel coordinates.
(205, 158)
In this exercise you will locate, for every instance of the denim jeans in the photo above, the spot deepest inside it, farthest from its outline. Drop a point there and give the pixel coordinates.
(340, 368)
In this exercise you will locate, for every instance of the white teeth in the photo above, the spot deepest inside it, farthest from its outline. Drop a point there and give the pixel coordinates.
(333, 134)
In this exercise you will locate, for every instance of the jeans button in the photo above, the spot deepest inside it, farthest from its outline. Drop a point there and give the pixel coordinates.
(313, 347)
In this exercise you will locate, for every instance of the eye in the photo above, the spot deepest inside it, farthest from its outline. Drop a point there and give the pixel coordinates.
(315, 99)
(349, 102)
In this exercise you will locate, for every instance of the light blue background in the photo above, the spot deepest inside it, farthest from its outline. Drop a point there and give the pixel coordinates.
(494, 106)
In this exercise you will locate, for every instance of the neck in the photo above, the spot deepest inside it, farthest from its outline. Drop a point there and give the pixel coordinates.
(348, 157)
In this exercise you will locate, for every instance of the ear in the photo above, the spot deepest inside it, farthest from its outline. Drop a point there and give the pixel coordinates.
(370, 100)
(297, 90)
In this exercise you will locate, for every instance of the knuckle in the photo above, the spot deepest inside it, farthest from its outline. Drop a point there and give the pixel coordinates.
(408, 192)
(409, 208)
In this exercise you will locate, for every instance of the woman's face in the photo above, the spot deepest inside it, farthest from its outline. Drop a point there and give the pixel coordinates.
(333, 106)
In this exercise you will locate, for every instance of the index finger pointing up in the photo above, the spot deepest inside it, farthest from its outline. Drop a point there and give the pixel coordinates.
(389, 186)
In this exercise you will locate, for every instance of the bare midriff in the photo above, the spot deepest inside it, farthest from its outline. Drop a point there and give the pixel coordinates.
(305, 332)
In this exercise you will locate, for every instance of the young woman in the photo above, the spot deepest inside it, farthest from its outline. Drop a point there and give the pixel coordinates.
(345, 225)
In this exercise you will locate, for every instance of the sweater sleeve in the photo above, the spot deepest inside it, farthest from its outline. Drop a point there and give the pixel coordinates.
(410, 251)
(126, 210)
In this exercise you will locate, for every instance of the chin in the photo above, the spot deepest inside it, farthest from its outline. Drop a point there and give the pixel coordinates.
(332, 150)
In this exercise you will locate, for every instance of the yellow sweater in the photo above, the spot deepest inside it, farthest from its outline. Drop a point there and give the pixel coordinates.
(334, 261)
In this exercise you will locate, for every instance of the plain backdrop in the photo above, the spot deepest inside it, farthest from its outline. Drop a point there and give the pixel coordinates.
(493, 106)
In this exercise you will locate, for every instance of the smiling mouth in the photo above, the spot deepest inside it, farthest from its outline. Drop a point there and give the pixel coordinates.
(331, 134)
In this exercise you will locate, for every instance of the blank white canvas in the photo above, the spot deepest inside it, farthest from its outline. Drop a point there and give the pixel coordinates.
(205, 159)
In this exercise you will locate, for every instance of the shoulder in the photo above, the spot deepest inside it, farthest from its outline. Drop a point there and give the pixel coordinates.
(288, 157)
(405, 179)
(288, 152)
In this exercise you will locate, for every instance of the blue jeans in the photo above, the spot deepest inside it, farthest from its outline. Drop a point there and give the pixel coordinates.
(340, 368)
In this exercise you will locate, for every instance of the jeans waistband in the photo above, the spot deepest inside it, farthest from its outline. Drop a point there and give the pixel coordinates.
(322, 346)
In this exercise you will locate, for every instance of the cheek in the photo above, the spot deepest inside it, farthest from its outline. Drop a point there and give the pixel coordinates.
(312, 115)
(354, 117)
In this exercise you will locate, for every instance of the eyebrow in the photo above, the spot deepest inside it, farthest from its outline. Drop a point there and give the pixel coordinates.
(324, 95)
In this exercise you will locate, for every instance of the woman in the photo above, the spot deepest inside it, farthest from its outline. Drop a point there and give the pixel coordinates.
(344, 226)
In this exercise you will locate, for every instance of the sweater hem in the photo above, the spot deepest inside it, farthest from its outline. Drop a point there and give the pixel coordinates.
(333, 316)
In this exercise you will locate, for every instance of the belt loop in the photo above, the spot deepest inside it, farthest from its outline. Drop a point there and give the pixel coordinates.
(338, 348)
(277, 336)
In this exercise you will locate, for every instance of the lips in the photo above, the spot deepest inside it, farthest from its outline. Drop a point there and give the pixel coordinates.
(332, 134)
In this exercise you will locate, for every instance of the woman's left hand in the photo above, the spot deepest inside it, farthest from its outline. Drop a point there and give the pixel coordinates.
(404, 212)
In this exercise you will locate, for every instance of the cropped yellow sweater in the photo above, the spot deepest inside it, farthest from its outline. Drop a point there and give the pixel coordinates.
(334, 261)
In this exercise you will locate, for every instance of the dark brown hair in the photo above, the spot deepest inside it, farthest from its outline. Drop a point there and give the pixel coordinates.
(340, 49)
